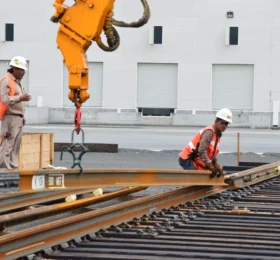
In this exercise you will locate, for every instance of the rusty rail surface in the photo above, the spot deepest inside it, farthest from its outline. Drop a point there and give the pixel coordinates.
(47, 211)
(34, 239)
(95, 178)
(252, 176)
(22, 200)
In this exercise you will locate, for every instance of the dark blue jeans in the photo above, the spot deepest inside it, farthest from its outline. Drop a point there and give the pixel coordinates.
(186, 164)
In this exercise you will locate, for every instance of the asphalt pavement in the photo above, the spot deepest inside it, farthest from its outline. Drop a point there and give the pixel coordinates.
(131, 158)
(164, 138)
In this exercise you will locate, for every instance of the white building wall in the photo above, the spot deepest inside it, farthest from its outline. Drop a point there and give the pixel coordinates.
(193, 37)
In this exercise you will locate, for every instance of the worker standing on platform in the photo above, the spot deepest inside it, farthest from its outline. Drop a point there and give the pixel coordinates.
(12, 109)
(201, 152)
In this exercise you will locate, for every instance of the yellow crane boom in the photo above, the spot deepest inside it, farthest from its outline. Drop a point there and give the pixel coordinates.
(81, 24)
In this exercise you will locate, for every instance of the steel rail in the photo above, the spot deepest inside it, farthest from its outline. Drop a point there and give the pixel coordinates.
(47, 211)
(22, 200)
(70, 178)
(254, 175)
(33, 239)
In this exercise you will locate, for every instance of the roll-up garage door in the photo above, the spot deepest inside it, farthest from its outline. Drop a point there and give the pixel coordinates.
(95, 85)
(157, 85)
(233, 87)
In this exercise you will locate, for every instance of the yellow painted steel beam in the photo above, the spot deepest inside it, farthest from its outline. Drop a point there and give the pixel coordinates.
(53, 179)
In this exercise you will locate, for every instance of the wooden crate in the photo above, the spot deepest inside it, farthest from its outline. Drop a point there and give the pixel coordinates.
(36, 151)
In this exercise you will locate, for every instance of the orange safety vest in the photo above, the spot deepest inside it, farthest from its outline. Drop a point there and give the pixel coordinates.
(212, 151)
(4, 107)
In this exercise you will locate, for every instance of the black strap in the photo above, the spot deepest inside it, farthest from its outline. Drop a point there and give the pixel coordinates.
(194, 154)
(20, 115)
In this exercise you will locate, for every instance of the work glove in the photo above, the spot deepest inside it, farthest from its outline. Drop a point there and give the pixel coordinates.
(218, 167)
(209, 166)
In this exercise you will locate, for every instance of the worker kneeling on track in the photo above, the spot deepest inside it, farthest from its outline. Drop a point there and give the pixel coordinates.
(201, 152)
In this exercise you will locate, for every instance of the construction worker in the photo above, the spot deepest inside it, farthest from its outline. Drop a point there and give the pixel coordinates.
(12, 108)
(201, 152)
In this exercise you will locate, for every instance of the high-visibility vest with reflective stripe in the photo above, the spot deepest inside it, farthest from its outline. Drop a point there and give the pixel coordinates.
(4, 107)
(211, 150)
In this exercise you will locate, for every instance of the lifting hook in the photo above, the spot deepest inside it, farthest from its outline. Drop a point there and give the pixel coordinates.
(71, 148)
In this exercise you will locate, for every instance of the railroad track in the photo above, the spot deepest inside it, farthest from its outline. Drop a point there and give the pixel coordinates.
(201, 225)
(243, 224)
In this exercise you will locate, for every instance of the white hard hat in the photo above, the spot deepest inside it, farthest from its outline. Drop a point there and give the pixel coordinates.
(225, 114)
(18, 62)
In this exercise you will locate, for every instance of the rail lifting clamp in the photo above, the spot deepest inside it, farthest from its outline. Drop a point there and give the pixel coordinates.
(75, 146)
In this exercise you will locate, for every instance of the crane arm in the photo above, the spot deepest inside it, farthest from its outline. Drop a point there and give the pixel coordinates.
(80, 24)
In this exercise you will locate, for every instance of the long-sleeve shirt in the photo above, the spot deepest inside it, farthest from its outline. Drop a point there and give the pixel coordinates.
(205, 141)
(15, 106)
